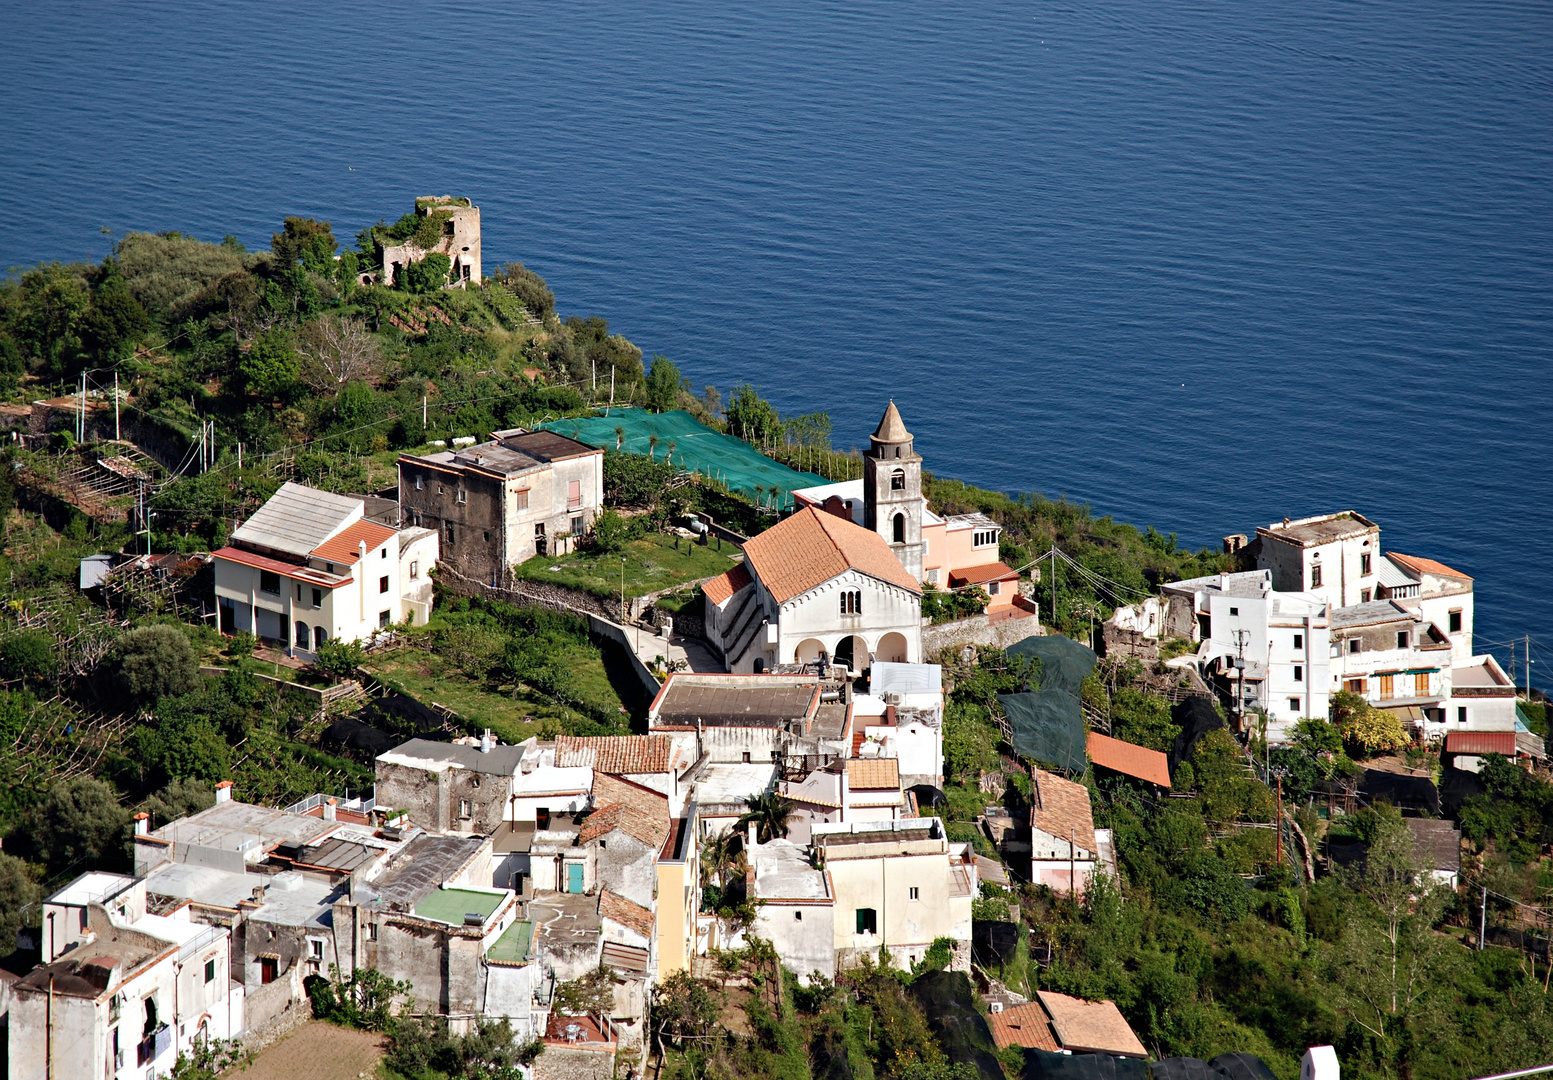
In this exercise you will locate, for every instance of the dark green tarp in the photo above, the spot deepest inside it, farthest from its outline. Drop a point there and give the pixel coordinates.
(952, 1017)
(1065, 663)
(1241, 1066)
(1048, 726)
(1043, 1065)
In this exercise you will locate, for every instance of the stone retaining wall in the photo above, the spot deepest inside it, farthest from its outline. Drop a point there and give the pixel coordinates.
(977, 630)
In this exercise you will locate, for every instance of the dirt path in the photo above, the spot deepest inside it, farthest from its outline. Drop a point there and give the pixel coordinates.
(317, 1051)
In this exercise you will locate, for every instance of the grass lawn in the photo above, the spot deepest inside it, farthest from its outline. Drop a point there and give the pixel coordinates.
(511, 712)
(652, 563)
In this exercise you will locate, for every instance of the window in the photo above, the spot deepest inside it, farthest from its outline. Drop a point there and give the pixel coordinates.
(1364, 564)
(1353, 646)
(210, 970)
(441, 490)
(1461, 715)
(1299, 673)
(912, 894)
(984, 538)
(746, 757)
(898, 480)
(1294, 704)
(463, 808)
(372, 931)
(578, 528)
(320, 635)
(1388, 686)
(269, 581)
(315, 948)
(1315, 577)
(382, 584)
(318, 598)
(328, 567)
(301, 635)
(932, 576)
(1421, 683)
(898, 529)
(299, 592)
(83, 920)
(420, 483)
(520, 499)
(415, 569)
(797, 916)
(463, 495)
(573, 494)
(1365, 596)
(384, 618)
(1354, 686)
(486, 535)
(269, 969)
(1234, 611)
(450, 533)
(851, 602)
(1401, 639)
(383, 554)
(992, 587)
(1299, 641)
(867, 920)
(1455, 623)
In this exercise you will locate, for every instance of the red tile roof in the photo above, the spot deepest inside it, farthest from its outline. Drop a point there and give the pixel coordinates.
(980, 575)
(614, 754)
(1023, 1025)
(811, 547)
(342, 547)
(644, 812)
(1125, 757)
(723, 587)
(284, 569)
(1480, 742)
(873, 774)
(1095, 1026)
(1062, 809)
(631, 915)
(604, 820)
(1427, 566)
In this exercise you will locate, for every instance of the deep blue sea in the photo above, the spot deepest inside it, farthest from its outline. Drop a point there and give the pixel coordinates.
(1200, 264)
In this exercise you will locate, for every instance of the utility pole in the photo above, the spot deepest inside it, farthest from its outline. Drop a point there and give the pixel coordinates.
(1528, 667)
(1483, 919)
(1072, 866)
(116, 436)
(423, 412)
(80, 424)
(611, 389)
(1278, 821)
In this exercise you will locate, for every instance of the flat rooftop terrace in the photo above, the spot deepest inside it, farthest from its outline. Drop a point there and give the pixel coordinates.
(452, 905)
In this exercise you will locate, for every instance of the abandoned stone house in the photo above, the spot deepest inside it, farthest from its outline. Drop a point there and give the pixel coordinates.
(450, 787)
(460, 242)
(499, 503)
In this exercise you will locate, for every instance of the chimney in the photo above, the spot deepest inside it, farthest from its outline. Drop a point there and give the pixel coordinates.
(223, 792)
(487, 741)
(143, 823)
(329, 809)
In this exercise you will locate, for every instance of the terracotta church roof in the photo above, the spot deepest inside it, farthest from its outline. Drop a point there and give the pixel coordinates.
(1426, 566)
(811, 547)
(724, 586)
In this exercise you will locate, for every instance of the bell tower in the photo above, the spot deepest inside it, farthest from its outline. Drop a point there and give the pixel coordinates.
(892, 490)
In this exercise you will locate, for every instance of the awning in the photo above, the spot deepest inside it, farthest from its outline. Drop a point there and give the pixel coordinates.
(628, 958)
(1408, 714)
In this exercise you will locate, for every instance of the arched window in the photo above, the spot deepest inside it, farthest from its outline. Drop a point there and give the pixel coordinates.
(760, 666)
(320, 635)
(301, 629)
(900, 528)
(898, 480)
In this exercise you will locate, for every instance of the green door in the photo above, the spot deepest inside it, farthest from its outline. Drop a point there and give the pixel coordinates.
(574, 877)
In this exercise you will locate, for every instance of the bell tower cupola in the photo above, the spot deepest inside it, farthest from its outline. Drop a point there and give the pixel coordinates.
(892, 490)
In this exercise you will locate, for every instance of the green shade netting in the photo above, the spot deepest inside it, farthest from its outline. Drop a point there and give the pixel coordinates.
(734, 462)
(1065, 663)
(1048, 726)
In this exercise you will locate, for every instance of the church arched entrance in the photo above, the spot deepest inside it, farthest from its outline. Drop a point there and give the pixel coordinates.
(852, 651)
(892, 649)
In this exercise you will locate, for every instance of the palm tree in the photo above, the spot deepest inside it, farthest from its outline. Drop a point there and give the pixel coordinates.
(769, 812)
(620, 436)
(719, 858)
(652, 445)
(670, 455)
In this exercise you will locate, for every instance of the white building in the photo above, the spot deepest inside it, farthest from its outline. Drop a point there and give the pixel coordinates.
(307, 567)
(121, 992)
(902, 717)
(1440, 596)
(898, 885)
(811, 584)
(1271, 647)
(1335, 556)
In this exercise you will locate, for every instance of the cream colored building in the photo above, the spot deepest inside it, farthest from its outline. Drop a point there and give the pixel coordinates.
(459, 241)
(308, 567)
(897, 885)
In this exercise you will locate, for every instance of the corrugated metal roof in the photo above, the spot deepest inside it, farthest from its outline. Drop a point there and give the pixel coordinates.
(297, 519)
(1480, 742)
(627, 958)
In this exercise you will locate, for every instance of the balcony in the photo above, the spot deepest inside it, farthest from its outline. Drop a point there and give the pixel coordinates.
(153, 1046)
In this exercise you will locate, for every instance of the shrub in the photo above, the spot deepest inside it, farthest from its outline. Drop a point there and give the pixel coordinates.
(155, 662)
(366, 1000)
(428, 275)
(340, 658)
(80, 819)
(612, 532)
(27, 655)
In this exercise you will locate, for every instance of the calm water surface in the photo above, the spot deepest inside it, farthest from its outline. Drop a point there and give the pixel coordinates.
(1203, 265)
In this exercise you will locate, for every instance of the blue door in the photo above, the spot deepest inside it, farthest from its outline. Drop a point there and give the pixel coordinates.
(574, 877)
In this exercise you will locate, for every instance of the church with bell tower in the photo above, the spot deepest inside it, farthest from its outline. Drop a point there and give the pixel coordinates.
(892, 490)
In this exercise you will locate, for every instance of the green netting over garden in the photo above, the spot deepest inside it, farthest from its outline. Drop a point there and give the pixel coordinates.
(1048, 726)
(1065, 663)
(692, 445)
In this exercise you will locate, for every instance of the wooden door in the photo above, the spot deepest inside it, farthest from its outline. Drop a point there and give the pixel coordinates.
(1421, 684)
(1388, 686)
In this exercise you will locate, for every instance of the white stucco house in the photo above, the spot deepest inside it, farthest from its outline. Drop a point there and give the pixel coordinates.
(309, 567)
(811, 584)
(1336, 556)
